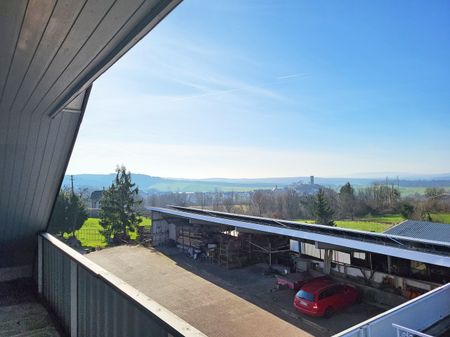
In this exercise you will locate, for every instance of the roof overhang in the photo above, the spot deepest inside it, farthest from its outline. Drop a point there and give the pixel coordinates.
(50, 53)
(357, 245)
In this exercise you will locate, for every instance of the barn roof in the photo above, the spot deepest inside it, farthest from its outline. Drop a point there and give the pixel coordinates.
(429, 251)
(422, 230)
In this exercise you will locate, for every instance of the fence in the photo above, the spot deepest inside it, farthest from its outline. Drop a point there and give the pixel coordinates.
(90, 234)
(89, 301)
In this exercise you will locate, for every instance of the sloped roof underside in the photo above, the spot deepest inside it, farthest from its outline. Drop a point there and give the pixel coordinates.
(50, 53)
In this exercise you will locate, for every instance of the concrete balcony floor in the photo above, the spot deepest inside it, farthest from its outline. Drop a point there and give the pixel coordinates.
(21, 314)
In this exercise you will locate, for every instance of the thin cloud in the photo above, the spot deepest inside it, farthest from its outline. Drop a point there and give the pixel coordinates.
(299, 75)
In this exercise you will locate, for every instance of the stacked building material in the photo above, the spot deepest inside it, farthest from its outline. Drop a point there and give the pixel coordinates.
(191, 237)
(233, 251)
(144, 235)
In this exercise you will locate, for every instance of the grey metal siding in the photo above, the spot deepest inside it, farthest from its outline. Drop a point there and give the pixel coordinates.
(50, 53)
(105, 306)
(105, 312)
(56, 283)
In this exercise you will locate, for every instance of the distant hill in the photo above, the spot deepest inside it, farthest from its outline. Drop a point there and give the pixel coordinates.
(151, 184)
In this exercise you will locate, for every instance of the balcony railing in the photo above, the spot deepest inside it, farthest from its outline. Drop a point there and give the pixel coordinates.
(406, 332)
(89, 301)
(408, 319)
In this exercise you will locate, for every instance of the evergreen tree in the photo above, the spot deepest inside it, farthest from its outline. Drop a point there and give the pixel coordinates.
(407, 210)
(119, 207)
(69, 214)
(347, 200)
(324, 213)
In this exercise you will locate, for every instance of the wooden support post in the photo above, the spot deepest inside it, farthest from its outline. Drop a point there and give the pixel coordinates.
(389, 264)
(270, 254)
(250, 247)
(182, 233)
(328, 255)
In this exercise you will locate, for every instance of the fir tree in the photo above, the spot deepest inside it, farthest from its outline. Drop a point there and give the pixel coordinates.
(119, 207)
(69, 214)
(324, 213)
(347, 200)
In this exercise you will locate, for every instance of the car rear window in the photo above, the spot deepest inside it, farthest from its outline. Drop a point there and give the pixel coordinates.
(305, 295)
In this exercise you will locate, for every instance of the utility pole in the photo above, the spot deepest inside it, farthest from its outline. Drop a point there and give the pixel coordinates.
(71, 181)
(71, 206)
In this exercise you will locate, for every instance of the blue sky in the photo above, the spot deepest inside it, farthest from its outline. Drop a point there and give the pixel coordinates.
(232, 88)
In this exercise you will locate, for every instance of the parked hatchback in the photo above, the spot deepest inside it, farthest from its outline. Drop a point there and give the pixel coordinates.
(323, 297)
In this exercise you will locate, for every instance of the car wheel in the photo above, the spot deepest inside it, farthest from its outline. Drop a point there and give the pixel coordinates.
(329, 312)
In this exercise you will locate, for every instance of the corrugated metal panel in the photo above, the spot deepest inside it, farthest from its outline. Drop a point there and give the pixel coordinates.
(422, 230)
(56, 282)
(50, 53)
(105, 312)
(105, 306)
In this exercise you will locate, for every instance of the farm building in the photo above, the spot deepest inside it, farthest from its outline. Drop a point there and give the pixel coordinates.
(425, 230)
(95, 198)
(390, 268)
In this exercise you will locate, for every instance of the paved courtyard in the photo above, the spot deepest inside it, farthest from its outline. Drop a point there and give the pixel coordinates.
(220, 302)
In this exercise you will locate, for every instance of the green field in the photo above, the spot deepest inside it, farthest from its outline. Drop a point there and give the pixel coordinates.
(187, 186)
(90, 236)
(441, 217)
(409, 191)
(370, 223)
(305, 221)
(391, 219)
(368, 226)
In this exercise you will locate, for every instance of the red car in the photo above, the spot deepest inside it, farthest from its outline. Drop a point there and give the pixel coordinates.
(323, 297)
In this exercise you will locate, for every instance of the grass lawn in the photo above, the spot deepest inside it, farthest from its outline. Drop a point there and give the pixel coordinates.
(90, 236)
(305, 221)
(146, 222)
(392, 219)
(441, 217)
(368, 226)
(370, 223)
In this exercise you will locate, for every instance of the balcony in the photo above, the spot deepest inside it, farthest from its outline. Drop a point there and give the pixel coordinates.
(424, 316)
(86, 300)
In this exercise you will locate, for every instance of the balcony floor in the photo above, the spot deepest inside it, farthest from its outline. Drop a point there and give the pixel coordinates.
(21, 314)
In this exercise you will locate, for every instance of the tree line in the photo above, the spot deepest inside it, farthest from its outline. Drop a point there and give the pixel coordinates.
(120, 210)
(326, 205)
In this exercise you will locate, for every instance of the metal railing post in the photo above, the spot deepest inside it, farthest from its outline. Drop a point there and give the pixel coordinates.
(73, 299)
(40, 265)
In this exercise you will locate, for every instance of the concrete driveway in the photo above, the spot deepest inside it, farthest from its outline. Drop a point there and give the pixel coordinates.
(208, 307)
(217, 301)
